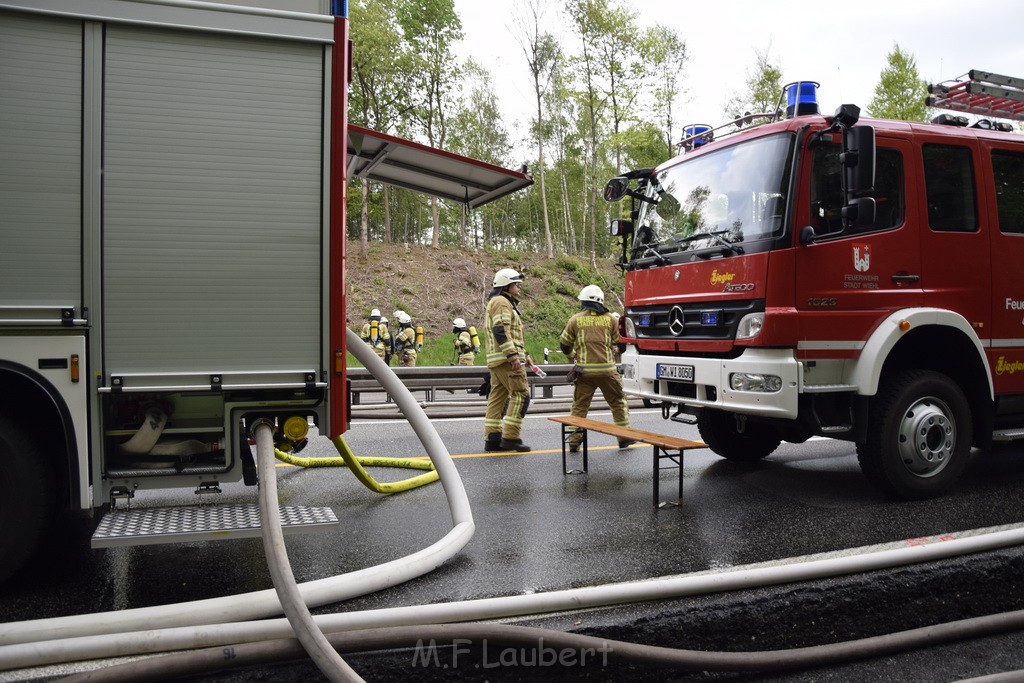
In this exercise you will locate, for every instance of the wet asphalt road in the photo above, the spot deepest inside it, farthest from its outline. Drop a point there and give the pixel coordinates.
(539, 530)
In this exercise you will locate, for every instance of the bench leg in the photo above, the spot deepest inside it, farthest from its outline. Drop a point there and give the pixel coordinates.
(565, 439)
(659, 455)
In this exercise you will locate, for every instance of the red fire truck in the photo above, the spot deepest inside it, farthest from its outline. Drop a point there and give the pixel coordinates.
(793, 274)
(172, 269)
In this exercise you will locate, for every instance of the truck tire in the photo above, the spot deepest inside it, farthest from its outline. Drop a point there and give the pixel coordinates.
(718, 430)
(919, 435)
(26, 497)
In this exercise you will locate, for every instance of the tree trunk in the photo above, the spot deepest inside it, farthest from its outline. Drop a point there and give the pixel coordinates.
(364, 219)
(540, 170)
(435, 217)
(388, 234)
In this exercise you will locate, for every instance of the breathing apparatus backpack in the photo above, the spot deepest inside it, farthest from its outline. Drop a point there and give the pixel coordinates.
(474, 339)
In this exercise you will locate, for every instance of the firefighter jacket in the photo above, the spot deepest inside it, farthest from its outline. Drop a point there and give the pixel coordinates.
(592, 338)
(405, 340)
(383, 340)
(502, 313)
(464, 348)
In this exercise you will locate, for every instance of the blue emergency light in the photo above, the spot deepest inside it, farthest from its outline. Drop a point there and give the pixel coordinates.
(801, 99)
(697, 129)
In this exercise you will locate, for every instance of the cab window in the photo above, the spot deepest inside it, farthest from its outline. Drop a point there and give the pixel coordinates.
(949, 185)
(827, 198)
(1008, 173)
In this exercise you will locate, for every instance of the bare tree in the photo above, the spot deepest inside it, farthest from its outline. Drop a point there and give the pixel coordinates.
(542, 54)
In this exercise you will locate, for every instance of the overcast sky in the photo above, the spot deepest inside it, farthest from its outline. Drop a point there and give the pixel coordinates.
(843, 46)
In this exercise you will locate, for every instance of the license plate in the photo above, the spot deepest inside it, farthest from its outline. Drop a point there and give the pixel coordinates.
(678, 373)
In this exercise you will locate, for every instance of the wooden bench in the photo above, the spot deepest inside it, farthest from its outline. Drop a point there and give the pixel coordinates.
(665, 447)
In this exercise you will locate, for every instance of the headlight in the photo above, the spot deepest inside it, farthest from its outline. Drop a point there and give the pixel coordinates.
(750, 326)
(629, 327)
(749, 381)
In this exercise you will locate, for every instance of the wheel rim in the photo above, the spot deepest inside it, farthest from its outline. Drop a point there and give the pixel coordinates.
(927, 437)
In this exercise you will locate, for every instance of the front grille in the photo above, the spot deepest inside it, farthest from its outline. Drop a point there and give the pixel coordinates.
(710, 321)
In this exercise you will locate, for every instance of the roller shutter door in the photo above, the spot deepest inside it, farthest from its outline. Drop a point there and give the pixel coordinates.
(40, 161)
(211, 202)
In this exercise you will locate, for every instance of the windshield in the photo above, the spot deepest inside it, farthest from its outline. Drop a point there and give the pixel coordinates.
(724, 199)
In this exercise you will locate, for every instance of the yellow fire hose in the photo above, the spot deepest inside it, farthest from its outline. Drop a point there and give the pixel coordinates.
(358, 463)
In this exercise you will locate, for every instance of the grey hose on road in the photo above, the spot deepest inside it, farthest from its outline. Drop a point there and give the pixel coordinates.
(312, 638)
(165, 640)
(601, 651)
(46, 641)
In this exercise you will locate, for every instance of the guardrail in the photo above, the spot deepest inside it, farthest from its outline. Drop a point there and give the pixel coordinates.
(453, 378)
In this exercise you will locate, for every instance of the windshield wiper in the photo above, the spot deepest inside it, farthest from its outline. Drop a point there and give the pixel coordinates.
(650, 251)
(715, 235)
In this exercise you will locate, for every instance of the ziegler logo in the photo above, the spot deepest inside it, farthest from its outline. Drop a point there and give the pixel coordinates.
(721, 278)
(822, 302)
(1008, 367)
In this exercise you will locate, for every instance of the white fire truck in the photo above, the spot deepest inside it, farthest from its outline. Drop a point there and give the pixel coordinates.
(793, 274)
(172, 221)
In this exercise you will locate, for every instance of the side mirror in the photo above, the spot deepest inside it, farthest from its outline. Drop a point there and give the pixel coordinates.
(859, 213)
(616, 189)
(807, 235)
(620, 227)
(857, 161)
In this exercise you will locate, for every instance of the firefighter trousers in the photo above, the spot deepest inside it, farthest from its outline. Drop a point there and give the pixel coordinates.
(610, 384)
(507, 403)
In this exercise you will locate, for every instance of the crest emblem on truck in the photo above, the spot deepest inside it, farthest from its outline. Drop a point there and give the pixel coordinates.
(862, 257)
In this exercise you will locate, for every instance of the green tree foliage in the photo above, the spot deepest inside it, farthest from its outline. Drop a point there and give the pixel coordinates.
(901, 92)
(764, 88)
(478, 131)
(381, 75)
(542, 54)
(667, 55)
(431, 28)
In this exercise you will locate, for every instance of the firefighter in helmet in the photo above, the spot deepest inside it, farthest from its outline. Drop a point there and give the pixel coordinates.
(591, 341)
(389, 349)
(405, 341)
(464, 351)
(509, 397)
(375, 333)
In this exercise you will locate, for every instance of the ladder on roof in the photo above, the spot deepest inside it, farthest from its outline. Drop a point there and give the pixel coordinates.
(981, 93)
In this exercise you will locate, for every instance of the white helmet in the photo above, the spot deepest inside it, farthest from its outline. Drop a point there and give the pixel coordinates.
(506, 276)
(397, 313)
(404, 318)
(458, 322)
(591, 293)
(375, 313)
(383, 320)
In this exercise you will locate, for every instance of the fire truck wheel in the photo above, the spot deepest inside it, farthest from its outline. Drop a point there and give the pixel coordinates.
(720, 432)
(25, 497)
(919, 435)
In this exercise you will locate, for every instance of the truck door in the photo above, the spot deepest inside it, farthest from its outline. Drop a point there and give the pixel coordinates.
(849, 279)
(1006, 232)
(954, 237)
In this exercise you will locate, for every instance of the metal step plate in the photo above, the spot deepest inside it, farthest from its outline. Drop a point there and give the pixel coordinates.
(150, 526)
(1007, 434)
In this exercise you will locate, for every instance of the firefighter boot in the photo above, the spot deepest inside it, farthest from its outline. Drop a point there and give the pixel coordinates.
(513, 445)
(492, 444)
